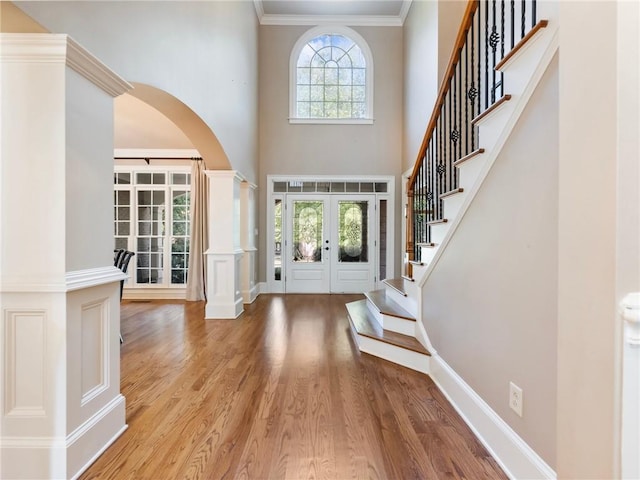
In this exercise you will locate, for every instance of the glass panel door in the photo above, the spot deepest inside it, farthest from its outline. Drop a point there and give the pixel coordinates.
(353, 262)
(307, 244)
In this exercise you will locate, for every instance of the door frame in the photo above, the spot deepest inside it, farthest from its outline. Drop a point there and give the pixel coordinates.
(280, 186)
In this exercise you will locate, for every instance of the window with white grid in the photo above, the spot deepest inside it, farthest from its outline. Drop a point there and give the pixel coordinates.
(331, 77)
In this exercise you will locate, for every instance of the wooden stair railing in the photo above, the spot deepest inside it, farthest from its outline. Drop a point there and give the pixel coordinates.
(472, 83)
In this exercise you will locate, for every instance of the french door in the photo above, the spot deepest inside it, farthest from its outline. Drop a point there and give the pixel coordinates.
(330, 243)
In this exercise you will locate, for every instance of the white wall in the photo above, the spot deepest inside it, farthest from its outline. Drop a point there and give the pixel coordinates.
(89, 163)
(203, 53)
(327, 149)
(490, 305)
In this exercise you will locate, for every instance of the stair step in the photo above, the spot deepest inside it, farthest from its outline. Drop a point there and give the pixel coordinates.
(364, 324)
(407, 278)
(451, 192)
(386, 306)
(416, 262)
(468, 157)
(491, 109)
(427, 245)
(530, 34)
(397, 284)
(438, 221)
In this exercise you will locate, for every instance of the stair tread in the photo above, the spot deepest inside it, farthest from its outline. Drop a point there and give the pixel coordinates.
(437, 221)
(387, 306)
(365, 325)
(397, 284)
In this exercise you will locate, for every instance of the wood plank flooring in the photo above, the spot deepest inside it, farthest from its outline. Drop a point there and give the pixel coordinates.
(279, 393)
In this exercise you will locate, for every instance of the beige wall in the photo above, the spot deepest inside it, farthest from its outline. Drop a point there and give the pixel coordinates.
(491, 302)
(589, 336)
(203, 53)
(327, 149)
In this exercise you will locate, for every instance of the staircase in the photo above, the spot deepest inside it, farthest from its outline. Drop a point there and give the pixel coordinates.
(455, 158)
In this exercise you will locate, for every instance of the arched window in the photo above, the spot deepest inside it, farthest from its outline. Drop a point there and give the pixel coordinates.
(331, 77)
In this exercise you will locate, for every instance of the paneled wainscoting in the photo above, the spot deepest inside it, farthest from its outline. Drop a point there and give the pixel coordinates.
(279, 392)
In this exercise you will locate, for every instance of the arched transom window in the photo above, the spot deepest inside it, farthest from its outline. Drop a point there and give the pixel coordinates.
(331, 77)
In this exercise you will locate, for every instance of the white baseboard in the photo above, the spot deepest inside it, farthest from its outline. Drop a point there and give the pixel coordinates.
(59, 457)
(517, 459)
(223, 310)
(262, 288)
(249, 296)
(154, 293)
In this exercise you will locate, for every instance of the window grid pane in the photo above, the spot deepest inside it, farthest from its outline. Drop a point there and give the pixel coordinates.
(331, 79)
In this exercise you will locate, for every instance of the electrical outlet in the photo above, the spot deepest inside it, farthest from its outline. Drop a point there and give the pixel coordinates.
(515, 398)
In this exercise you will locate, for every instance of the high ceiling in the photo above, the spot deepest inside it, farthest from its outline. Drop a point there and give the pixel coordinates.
(352, 12)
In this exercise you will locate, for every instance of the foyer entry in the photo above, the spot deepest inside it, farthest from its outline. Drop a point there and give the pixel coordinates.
(329, 236)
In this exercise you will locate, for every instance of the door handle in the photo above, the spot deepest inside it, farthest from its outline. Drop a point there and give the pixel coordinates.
(326, 248)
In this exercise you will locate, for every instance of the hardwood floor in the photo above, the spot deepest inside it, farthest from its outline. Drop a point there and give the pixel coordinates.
(280, 392)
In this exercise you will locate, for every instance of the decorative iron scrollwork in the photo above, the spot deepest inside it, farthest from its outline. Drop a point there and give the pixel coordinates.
(455, 135)
(441, 169)
(473, 92)
(494, 38)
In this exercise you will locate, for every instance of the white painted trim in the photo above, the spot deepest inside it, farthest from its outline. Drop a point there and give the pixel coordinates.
(134, 293)
(331, 121)
(99, 453)
(61, 48)
(630, 313)
(92, 277)
(404, 10)
(156, 153)
(94, 70)
(329, 28)
(76, 280)
(249, 296)
(352, 20)
(401, 356)
(259, 9)
(262, 288)
(515, 457)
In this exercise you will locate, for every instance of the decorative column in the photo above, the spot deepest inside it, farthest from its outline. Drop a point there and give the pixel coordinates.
(224, 299)
(248, 284)
(60, 401)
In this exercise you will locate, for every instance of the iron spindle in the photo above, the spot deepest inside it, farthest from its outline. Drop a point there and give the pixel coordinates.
(524, 18)
(534, 20)
(486, 56)
(513, 23)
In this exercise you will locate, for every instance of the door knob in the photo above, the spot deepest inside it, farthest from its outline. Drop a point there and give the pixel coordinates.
(326, 248)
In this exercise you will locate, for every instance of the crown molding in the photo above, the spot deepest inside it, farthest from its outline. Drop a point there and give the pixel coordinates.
(347, 20)
(155, 153)
(60, 48)
(350, 20)
(404, 10)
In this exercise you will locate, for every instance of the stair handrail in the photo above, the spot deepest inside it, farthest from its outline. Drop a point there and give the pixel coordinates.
(465, 25)
(490, 31)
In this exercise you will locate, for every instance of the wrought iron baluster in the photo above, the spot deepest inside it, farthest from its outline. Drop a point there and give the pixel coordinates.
(493, 42)
(464, 95)
(486, 56)
(524, 18)
(534, 14)
(501, 45)
(513, 23)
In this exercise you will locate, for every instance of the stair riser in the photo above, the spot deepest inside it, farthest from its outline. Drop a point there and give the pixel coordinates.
(452, 205)
(438, 232)
(375, 312)
(400, 325)
(468, 171)
(408, 303)
(401, 356)
(492, 126)
(427, 254)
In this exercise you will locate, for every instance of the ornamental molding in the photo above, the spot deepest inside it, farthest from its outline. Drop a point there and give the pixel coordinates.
(61, 48)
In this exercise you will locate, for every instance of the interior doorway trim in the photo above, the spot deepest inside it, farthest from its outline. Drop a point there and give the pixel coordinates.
(280, 187)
